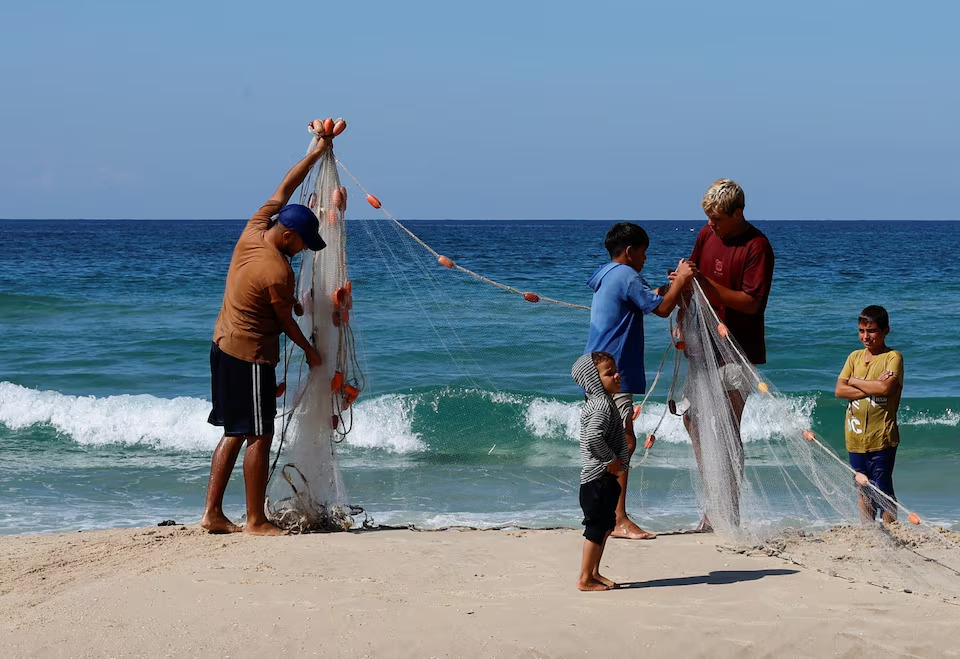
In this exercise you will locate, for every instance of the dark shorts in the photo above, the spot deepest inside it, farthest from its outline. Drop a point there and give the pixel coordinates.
(244, 395)
(878, 468)
(598, 500)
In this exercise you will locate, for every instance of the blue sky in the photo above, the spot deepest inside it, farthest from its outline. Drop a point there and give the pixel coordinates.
(527, 110)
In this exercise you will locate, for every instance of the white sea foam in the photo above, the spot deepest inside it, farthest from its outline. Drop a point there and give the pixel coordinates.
(910, 418)
(386, 422)
(547, 418)
(383, 422)
(178, 423)
(762, 418)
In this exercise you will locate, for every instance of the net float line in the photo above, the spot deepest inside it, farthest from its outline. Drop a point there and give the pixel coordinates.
(449, 263)
(722, 330)
(764, 388)
(808, 435)
(862, 481)
(529, 296)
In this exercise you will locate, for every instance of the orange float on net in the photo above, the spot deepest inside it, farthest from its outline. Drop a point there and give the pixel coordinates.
(350, 394)
(651, 440)
(722, 330)
(316, 126)
(636, 411)
(914, 518)
(444, 261)
(281, 388)
(335, 197)
(349, 286)
(809, 435)
(373, 201)
(531, 297)
(340, 296)
(681, 345)
(328, 126)
(332, 216)
(339, 126)
(764, 388)
(336, 382)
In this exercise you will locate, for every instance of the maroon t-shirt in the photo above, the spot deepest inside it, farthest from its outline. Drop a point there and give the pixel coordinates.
(741, 263)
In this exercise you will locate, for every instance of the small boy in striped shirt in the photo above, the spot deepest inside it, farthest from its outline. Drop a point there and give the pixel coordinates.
(603, 455)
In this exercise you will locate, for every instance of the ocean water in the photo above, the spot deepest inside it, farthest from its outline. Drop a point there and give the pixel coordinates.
(469, 415)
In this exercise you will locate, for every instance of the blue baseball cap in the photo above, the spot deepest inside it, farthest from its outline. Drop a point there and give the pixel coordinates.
(302, 220)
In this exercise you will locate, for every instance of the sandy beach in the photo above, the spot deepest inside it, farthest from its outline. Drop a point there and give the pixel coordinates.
(169, 591)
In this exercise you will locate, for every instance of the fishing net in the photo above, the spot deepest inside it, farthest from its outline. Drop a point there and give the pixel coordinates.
(785, 492)
(306, 491)
(469, 418)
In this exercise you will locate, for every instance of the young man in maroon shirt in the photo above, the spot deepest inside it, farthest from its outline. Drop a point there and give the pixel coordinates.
(735, 263)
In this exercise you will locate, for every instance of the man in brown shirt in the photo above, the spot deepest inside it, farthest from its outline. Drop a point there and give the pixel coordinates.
(258, 304)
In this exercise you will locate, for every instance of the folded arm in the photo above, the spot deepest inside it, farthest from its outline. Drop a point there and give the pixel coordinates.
(854, 388)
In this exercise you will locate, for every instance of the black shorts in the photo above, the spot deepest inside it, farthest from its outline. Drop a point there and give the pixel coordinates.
(598, 500)
(244, 395)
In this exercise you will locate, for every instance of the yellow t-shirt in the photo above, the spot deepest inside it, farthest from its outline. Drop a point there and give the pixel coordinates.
(871, 422)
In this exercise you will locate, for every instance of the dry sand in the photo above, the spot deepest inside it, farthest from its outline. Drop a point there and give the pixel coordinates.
(176, 591)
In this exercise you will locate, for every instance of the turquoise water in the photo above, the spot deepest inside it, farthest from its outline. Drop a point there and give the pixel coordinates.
(469, 415)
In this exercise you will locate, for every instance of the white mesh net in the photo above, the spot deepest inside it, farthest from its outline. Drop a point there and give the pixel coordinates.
(775, 492)
(306, 491)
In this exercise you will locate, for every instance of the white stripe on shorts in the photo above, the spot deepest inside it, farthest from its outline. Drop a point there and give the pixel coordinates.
(257, 421)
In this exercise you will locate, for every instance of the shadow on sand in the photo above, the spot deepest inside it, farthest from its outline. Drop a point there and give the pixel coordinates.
(718, 577)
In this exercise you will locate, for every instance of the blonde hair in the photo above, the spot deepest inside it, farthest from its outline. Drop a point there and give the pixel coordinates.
(723, 196)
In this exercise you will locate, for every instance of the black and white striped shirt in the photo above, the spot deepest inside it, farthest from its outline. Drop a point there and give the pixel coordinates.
(602, 439)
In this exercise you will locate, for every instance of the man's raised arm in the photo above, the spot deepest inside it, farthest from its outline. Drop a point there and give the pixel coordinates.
(298, 172)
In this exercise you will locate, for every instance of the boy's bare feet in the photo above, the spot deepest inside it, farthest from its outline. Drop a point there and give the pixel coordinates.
(219, 524)
(627, 529)
(266, 528)
(591, 584)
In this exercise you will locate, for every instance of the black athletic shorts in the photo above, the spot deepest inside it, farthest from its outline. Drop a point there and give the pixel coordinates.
(598, 500)
(244, 395)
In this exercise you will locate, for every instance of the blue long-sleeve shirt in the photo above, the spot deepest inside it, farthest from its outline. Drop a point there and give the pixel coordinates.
(621, 296)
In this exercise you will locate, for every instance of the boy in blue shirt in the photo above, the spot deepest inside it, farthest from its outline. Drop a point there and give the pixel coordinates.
(621, 297)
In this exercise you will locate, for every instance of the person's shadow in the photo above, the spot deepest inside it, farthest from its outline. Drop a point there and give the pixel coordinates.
(718, 577)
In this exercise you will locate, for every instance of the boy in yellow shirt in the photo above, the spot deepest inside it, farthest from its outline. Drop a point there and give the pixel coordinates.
(872, 380)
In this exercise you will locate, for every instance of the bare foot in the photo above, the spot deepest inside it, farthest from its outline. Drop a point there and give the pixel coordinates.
(609, 583)
(591, 584)
(219, 524)
(704, 526)
(631, 531)
(265, 528)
